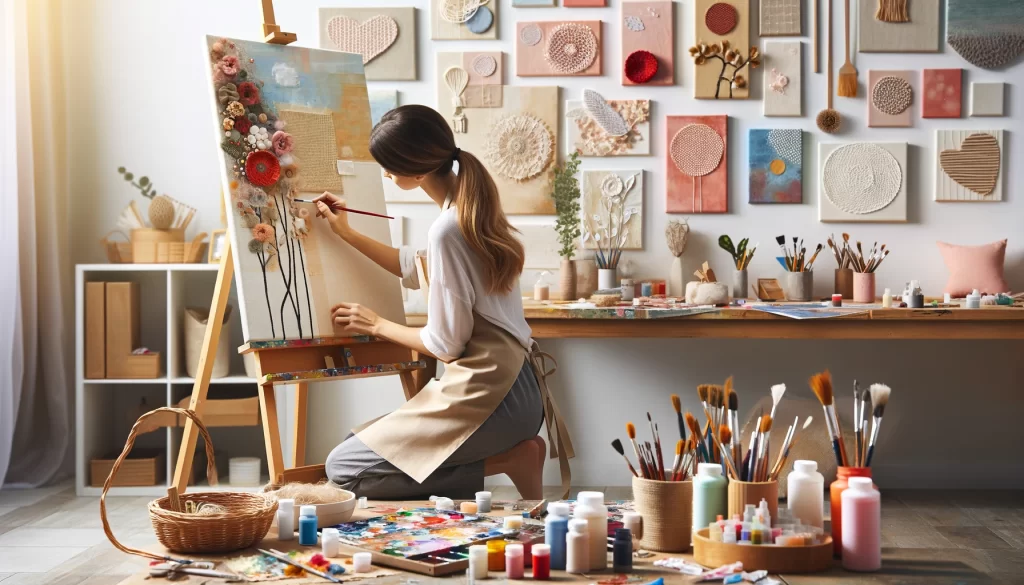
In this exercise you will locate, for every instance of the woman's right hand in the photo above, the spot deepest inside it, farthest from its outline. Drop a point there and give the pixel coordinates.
(338, 220)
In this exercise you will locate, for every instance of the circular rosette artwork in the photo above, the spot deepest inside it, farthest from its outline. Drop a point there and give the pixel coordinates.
(571, 48)
(861, 178)
(262, 168)
(697, 150)
(520, 147)
(641, 66)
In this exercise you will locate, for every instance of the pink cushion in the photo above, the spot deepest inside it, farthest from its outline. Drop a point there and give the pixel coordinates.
(974, 267)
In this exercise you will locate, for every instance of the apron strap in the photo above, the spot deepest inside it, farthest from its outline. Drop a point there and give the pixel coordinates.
(558, 434)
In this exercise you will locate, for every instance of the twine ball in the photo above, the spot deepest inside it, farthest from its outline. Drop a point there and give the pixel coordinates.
(161, 212)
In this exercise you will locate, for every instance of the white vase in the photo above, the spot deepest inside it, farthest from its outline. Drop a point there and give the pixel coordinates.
(606, 278)
(676, 284)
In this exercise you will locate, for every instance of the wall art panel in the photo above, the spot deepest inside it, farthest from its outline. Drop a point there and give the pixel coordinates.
(556, 48)
(776, 166)
(942, 93)
(464, 20)
(781, 18)
(613, 207)
(986, 33)
(969, 165)
(987, 99)
(783, 78)
(598, 127)
(716, 21)
(862, 182)
(648, 42)
(918, 34)
(697, 170)
(384, 36)
(891, 99)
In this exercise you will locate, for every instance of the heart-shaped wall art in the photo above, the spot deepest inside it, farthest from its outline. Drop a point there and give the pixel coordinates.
(369, 38)
(975, 165)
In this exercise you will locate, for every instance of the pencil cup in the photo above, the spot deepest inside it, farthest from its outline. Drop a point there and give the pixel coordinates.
(742, 493)
(607, 278)
(864, 287)
(843, 475)
(666, 507)
(798, 285)
(739, 284)
(844, 283)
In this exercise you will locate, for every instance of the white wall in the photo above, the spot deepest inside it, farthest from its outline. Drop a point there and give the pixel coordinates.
(139, 99)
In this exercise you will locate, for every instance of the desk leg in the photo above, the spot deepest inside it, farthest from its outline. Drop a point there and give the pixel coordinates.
(420, 378)
(271, 432)
(301, 410)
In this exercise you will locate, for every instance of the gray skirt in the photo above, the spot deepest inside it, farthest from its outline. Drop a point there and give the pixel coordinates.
(357, 468)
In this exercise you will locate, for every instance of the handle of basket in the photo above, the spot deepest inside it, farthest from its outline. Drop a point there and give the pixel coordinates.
(137, 429)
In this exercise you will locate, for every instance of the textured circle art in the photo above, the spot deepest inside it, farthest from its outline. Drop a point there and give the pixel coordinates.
(697, 150)
(481, 21)
(777, 166)
(459, 11)
(571, 48)
(641, 66)
(788, 144)
(892, 95)
(986, 33)
(634, 23)
(721, 18)
(484, 65)
(519, 147)
(530, 35)
(861, 178)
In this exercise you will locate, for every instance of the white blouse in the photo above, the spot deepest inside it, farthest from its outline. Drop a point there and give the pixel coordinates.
(457, 290)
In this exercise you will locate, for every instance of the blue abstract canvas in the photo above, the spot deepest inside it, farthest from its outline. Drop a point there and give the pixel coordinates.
(776, 166)
(382, 101)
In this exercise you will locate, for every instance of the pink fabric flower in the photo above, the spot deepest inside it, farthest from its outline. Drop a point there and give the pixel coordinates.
(248, 93)
(283, 142)
(228, 65)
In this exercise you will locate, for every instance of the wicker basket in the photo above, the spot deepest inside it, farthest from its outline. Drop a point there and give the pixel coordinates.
(245, 521)
(666, 508)
(117, 252)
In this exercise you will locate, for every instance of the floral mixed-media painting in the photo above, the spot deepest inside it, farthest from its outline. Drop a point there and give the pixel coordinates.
(613, 204)
(293, 122)
(599, 127)
(776, 166)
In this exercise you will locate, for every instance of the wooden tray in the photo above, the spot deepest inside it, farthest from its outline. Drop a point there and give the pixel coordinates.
(232, 412)
(141, 468)
(774, 559)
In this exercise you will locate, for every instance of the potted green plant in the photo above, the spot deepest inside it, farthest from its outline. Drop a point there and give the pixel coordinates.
(566, 193)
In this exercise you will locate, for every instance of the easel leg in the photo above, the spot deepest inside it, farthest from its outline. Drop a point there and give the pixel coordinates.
(420, 378)
(301, 408)
(271, 432)
(202, 382)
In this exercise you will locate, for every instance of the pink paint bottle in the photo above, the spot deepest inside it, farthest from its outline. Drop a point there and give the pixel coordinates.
(862, 526)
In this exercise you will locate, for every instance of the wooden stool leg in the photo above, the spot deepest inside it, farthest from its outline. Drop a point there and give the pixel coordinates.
(301, 408)
(271, 432)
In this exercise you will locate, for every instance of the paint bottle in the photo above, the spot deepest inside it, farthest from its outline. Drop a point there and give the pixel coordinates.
(627, 289)
(843, 476)
(496, 555)
(635, 522)
(805, 490)
(514, 561)
(286, 519)
(710, 494)
(444, 504)
(887, 299)
(362, 562)
(577, 547)
(483, 502)
(556, 528)
(862, 526)
(622, 551)
(307, 525)
(330, 540)
(477, 562)
(974, 300)
(590, 507)
(468, 508)
(541, 562)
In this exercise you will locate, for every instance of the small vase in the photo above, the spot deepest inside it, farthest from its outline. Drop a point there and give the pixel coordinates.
(799, 286)
(864, 287)
(739, 284)
(844, 283)
(586, 277)
(607, 278)
(567, 280)
(676, 284)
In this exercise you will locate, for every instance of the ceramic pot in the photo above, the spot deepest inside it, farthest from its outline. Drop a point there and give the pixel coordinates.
(567, 279)
(844, 283)
(607, 278)
(799, 286)
(864, 287)
(739, 284)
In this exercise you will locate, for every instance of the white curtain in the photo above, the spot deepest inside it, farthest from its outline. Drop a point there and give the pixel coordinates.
(36, 295)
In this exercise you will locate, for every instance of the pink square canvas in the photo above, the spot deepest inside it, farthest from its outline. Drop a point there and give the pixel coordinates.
(942, 94)
(890, 99)
(697, 164)
(584, 3)
(648, 26)
(558, 47)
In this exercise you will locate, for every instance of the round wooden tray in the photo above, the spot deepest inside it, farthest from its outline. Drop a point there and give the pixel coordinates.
(774, 559)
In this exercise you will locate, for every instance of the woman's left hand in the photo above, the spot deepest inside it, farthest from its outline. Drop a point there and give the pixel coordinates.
(356, 318)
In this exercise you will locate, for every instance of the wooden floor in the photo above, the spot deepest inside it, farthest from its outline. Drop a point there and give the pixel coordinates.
(929, 538)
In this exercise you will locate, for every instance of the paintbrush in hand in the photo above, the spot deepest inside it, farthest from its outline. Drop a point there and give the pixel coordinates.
(336, 207)
(617, 445)
(821, 384)
(631, 433)
(879, 398)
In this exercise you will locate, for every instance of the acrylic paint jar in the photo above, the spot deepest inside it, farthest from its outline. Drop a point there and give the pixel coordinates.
(477, 561)
(627, 289)
(799, 286)
(468, 508)
(556, 528)
(307, 526)
(710, 499)
(362, 562)
(285, 519)
(739, 284)
(330, 540)
(805, 493)
(483, 502)
(606, 278)
(622, 551)
(863, 287)
(577, 547)
(590, 507)
(862, 526)
(744, 493)
(843, 284)
(542, 561)
(843, 475)
(635, 523)
(496, 555)
(667, 510)
(514, 562)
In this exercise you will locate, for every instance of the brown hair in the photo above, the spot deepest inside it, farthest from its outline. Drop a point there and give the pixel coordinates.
(415, 140)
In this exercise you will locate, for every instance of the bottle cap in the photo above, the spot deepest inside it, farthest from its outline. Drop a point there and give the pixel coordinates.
(712, 469)
(512, 522)
(805, 465)
(623, 534)
(558, 508)
(514, 550)
(286, 505)
(541, 550)
(483, 496)
(444, 504)
(330, 533)
(578, 526)
(861, 484)
(307, 511)
(590, 498)
(478, 552)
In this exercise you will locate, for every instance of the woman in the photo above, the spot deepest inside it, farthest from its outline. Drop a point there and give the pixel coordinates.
(482, 416)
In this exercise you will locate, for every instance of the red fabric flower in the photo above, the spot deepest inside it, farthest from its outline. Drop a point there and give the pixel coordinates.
(262, 168)
(242, 124)
(248, 93)
(641, 66)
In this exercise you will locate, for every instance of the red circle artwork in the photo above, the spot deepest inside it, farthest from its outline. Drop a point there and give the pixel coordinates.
(641, 66)
(721, 18)
(262, 168)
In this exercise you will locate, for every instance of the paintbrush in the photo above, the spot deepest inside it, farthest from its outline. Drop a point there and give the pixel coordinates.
(751, 461)
(631, 433)
(336, 207)
(677, 405)
(847, 73)
(782, 449)
(660, 465)
(879, 398)
(782, 244)
(778, 390)
(661, 462)
(865, 407)
(617, 445)
(703, 390)
(280, 556)
(691, 423)
(734, 426)
(821, 384)
(814, 256)
(856, 425)
(725, 438)
(677, 460)
(784, 454)
(761, 469)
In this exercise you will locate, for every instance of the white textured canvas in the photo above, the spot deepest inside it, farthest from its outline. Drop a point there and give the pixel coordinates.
(946, 188)
(860, 179)
(783, 78)
(614, 199)
(781, 18)
(599, 143)
(987, 99)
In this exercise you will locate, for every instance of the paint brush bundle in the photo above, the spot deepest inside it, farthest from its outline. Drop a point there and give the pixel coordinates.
(650, 456)
(796, 260)
(852, 256)
(864, 447)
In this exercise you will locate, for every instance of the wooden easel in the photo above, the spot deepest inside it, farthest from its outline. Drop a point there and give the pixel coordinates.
(297, 362)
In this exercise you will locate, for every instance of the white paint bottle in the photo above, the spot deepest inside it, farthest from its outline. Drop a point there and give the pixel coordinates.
(285, 519)
(590, 507)
(805, 489)
(577, 547)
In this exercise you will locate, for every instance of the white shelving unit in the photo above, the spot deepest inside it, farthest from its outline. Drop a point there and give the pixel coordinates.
(106, 409)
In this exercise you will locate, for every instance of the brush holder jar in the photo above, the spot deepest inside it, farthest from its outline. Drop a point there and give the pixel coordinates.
(844, 283)
(742, 493)
(567, 280)
(666, 507)
(739, 284)
(799, 286)
(607, 278)
(843, 475)
(864, 287)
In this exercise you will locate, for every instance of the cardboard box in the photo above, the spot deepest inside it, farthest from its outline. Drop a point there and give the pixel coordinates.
(95, 330)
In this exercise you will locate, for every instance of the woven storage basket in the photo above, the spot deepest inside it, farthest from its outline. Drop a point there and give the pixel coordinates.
(245, 521)
(666, 508)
